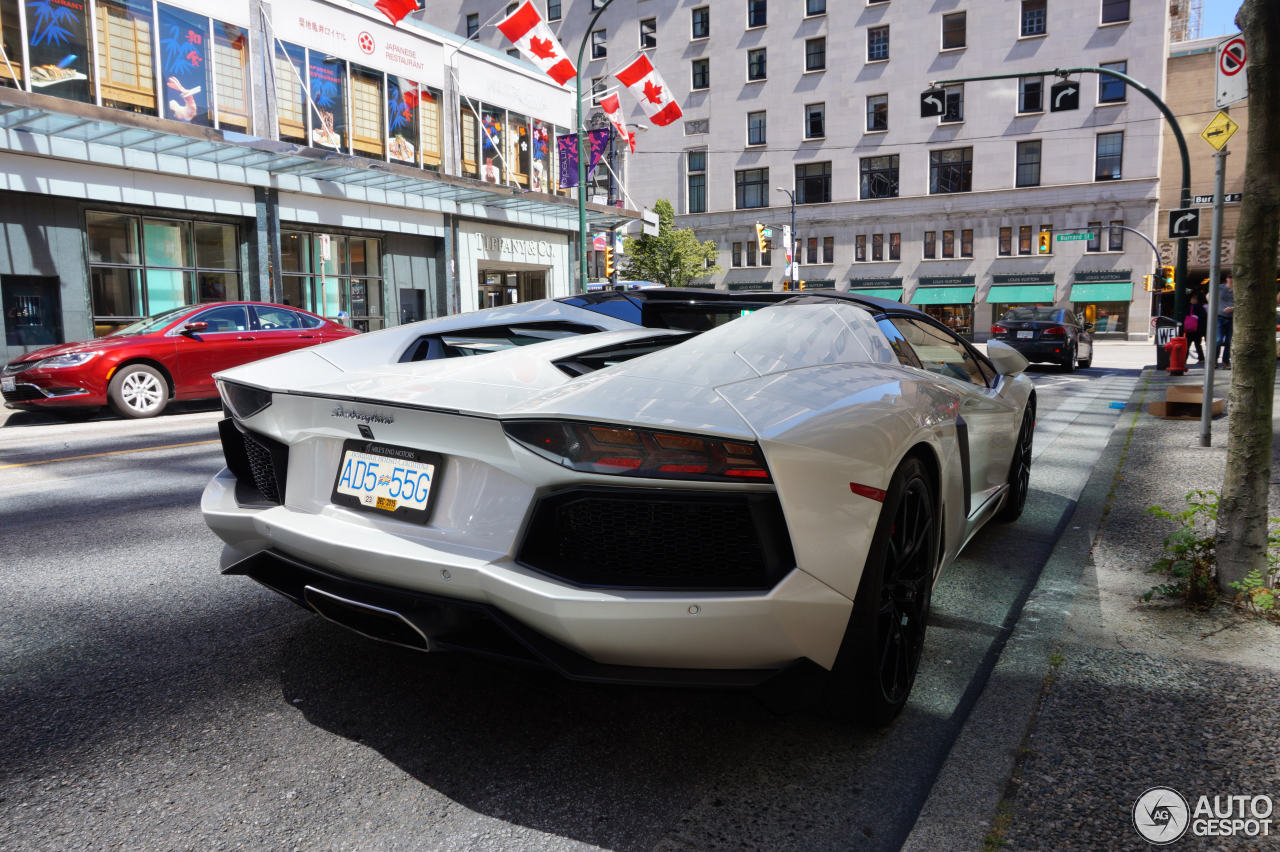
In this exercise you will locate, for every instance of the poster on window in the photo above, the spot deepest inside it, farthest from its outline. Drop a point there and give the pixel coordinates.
(540, 154)
(184, 66)
(402, 119)
(58, 47)
(327, 78)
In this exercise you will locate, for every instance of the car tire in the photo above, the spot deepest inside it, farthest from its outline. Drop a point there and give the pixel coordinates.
(1069, 363)
(138, 391)
(1019, 469)
(880, 653)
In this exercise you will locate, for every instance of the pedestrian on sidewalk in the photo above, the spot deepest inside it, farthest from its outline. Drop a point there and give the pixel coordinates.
(1226, 307)
(1193, 326)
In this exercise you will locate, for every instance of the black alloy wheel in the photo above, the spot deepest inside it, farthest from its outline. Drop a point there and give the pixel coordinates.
(1020, 469)
(1069, 363)
(878, 659)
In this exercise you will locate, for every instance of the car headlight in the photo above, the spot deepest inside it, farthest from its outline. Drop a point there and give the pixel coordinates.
(243, 400)
(75, 359)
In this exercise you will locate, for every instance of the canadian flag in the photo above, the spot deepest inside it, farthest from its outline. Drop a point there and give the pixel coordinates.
(647, 85)
(395, 10)
(613, 108)
(530, 34)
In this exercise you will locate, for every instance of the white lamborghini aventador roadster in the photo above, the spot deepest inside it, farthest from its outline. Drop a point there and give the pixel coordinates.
(663, 486)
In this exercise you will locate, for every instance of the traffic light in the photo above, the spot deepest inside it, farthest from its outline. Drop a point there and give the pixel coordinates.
(799, 285)
(1167, 274)
(608, 261)
(1045, 237)
(763, 236)
(1146, 283)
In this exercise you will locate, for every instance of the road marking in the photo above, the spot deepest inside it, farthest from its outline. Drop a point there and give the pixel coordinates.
(111, 453)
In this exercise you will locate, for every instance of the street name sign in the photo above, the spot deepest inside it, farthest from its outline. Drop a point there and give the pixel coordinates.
(1184, 223)
(1230, 81)
(1071, 238)
(1228, 198)
(1219, 130)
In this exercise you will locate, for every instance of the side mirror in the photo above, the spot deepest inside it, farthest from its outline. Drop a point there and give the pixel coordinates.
(1007, 360)
(194, 327)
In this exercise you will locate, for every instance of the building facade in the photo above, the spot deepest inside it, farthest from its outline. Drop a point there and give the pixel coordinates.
(823, 100)
(155, 154)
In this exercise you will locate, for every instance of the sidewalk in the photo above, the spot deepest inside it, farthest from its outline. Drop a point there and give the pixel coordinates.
(1099, 697)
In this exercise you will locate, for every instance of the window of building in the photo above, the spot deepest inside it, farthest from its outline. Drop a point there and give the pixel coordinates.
(1112, 89)
(815, 7)
(895, 246)
(813, 183)
(473, 25)
(750, 188)
(368, 137)
(860, 247)
(879, 177)
(811, 250)
(327, 83)
(815, 121)
(815, 54)
(1035, 18)
(877, 247)
(751, 252)
(124, 41)
(143, 266)
(948, 243)
(953, 30)
(697, 167)
(877, 112)
(950, 170)
(757, 13)
(1004, 246)
(1110, 156)
(700, 77)
(1095, 241)
(553, 10)
(930, 244)
(1024, 239)
(291, 104)
(1115, 236)
(599, 44)
(231, 75)
(953, 97)
(756, 69)
(1028, 169)
(966, 242)
(828, 249)
(735, 258)
(877, 43)
(756, 128)
(429, 112)
(1030, 94)
(648, 33)
(1115, 11)
(700, 26)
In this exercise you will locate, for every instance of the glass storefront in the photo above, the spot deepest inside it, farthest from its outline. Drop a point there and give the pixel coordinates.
(139, 266)
(1107, 317)
(508, 288)
(338, 276)
(958, 318)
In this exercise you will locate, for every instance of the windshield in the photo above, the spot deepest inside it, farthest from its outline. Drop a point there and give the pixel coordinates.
(150, 324)
(1034, 313)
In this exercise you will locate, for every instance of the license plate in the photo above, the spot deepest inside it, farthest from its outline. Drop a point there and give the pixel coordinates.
(1025, 335)
(389, 480)
(8, 383)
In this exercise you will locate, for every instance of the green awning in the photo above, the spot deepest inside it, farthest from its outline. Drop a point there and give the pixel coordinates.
(1021, 293)
(894, 293)
(943, 295)
(1111, 292)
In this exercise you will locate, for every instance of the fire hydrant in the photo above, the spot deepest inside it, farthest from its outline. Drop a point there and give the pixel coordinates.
(1177, 349)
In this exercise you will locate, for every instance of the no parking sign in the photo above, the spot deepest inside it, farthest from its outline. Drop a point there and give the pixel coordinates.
(1231, 83)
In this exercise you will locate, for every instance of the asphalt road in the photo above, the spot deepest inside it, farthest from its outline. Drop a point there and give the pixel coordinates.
(148, 702)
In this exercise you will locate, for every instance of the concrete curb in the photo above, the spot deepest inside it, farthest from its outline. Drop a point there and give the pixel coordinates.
(963, 801)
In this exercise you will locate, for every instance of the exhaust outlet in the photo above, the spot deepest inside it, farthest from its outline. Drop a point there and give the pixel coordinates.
(370, 621)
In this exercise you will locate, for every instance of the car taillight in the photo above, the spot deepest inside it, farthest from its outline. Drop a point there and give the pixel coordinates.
(999, 329)
(1053, 331)
(627, 451)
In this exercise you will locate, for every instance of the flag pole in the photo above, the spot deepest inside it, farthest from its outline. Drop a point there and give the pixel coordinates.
(582, 154)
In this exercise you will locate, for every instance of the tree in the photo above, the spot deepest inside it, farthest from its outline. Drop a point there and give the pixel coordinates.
(674, 257)
(1241, 544)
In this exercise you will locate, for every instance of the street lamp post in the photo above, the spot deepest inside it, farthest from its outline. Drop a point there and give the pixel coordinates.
(795, 256)
(583, 154)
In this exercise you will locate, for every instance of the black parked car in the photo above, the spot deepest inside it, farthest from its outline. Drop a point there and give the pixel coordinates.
(1055, 335)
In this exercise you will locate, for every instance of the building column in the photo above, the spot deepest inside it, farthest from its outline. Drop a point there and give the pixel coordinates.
(264, 247)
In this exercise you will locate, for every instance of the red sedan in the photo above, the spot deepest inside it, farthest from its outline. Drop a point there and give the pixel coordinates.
(139, 369)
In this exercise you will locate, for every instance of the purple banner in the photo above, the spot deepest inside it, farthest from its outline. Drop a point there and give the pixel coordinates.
(567, 148)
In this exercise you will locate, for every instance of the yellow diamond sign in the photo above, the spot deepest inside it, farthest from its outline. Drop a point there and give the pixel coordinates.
(1219, 130)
